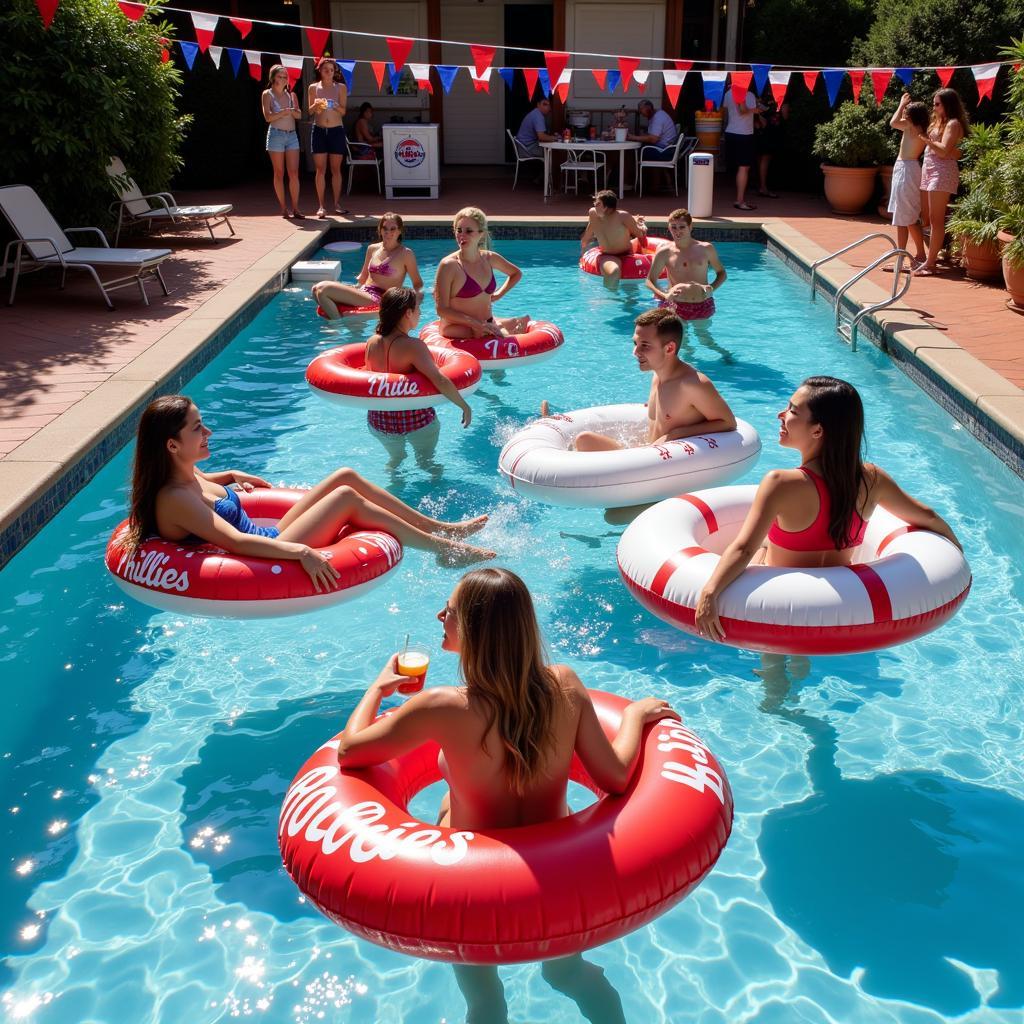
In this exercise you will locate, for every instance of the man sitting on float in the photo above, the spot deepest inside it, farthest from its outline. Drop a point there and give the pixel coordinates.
(614, 231)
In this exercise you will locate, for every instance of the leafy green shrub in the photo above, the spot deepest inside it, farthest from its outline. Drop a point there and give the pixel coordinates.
(805, 33)
(91, 87)
(853, 138)
(975, 218)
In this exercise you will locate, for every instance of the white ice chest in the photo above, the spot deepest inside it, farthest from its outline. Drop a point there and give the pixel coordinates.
(316, 270)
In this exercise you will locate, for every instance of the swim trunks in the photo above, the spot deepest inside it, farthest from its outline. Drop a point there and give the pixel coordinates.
(400, 421)
(691, 310)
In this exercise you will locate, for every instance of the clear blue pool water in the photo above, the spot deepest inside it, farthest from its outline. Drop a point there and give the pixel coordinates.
(874, 873)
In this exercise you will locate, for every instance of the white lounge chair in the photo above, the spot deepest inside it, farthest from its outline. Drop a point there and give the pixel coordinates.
(42, 243)
(159, 208)
(522, 154)
(651, 156)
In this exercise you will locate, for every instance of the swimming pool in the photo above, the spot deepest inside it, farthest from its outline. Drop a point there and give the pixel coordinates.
(873, 872)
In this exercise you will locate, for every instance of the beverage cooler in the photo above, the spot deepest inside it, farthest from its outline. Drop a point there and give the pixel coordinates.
(411, 165)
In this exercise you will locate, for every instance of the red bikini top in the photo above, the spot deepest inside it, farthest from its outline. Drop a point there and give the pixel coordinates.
(816, 536)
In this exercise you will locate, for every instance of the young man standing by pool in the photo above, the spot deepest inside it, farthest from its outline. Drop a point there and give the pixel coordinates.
(683, 402)
(686, 261)
(614, 231)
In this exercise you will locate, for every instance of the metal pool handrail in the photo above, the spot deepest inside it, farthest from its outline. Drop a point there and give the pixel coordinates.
(840, 252)
(900, 255)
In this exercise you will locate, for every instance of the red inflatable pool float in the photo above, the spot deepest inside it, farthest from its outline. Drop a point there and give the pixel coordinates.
(203, 579)
(340, 375)
(539, 341)
(635, 267)
(514, 894)
(346, 311)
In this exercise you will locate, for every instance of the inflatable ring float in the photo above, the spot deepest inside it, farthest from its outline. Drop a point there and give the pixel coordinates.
(904, 581)
(340, 375)
(541, 462)
(536, 343)
(203, 579)
(345, 311)
(339, 247)
(512, 894)
(635, 267)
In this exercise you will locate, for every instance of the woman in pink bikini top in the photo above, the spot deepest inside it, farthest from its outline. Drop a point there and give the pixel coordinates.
(466, 286)
(815, 515)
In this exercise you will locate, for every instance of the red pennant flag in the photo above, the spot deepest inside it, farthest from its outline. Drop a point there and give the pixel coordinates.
(556, 64)
(945, 74)
(293, 65)
(379, 67)
(481, 85)
(627, 65)
(205, 25)
(740, 83)
(673, 85)
(400, 50)
(244, 27)
(563, 91)
(601, 77)
(47, 9)
(530, 76)
(318, 38)
(255, 64)
(131, 11)
(985, 79)
(880, 82)
(483, 57)
(857, 81)
(780, 83)
(810, 77)
(683, 65)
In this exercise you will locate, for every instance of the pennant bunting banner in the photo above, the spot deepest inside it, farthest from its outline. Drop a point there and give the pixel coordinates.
(379, 67)
(394, 77)
(613, 79)
(810, 78)
(761, 72)
(779, 81)
(509, 74)
(481, 80)
(641, 79)
(833, 80)
(131, 11)
(627, 66)
(985, 77)
(544, 77)
(530, 76)
(244, 27)
(205, 25)
(293, 65)
(945, 74)
(739, 83)
(318, 39)
(235, 56)
(254, 59)
(165, 54)
(880, 80)
(483, 57)
(216, 52)
(673, 85)
(556, 63)
(683, 65)
(857, 81)
(905, 75)
(47, 9)
(399, 49)
(348, 68)
(714, 87)
(188, 51)
(562, 85)
(421, 72)
(601, 77)
(447, 73)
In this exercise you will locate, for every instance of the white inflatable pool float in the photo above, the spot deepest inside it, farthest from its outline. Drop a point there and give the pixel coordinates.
(541, 462)
(903, 582)
(343, 246)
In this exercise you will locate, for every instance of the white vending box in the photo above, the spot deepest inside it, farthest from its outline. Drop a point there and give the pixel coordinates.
(700, 193)
(411, 161)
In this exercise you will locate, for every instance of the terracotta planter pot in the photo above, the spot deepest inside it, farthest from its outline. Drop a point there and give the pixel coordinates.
(848, 189)
(1013, 276)
(885, 173)
(981, 262)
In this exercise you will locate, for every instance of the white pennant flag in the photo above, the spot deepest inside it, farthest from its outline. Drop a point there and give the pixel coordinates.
(485, 77)
(216, 55)
(292, 62)
(985, 77)
(674, 78)
(779, 81)
(640, 77)
(205, 25)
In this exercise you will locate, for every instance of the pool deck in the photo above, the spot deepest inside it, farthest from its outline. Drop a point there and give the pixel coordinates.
(72, 372)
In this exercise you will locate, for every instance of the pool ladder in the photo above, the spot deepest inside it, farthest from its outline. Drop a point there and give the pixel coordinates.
(848, 326)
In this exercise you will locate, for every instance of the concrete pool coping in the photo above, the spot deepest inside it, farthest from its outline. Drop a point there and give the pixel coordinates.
(48, 469)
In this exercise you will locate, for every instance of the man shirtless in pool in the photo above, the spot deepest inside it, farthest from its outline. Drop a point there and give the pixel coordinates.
(682, 402)
(686, 261)
(614, 231)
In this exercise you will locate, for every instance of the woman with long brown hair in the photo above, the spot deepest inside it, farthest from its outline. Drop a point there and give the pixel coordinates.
(507, 739)
(172, 498)
(281, 112)
(815, 515)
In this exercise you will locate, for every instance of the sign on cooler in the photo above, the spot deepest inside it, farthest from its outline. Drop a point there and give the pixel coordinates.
(411, 161)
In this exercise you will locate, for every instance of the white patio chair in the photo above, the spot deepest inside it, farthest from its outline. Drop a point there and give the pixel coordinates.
(41, 243)
(361, 154)
(159, 208)
(583, 161)
(650, 156)
(523, 155)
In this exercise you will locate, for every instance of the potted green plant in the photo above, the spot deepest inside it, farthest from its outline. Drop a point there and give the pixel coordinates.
(974, 220)
(1011, 236)
(1010, 183)
(851, 147)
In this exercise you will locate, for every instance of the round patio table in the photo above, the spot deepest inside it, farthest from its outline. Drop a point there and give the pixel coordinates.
(587, 145)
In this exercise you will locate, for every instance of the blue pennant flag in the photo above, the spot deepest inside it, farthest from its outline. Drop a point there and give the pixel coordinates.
(236, 59)
(761, 72)
(347, 67)
(905, 75)
(188, 51)
(395, 77)
(613, 79)
(545, 82)
(833, 80)
(509, 74)
(447, 73)
(714, 91)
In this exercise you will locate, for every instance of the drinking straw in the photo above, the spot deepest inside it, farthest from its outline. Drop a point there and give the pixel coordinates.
(405, 650)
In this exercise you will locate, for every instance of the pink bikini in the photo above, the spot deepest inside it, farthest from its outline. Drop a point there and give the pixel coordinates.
(470, 289)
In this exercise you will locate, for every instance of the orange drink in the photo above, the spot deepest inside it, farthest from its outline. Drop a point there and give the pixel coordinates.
(413, 662)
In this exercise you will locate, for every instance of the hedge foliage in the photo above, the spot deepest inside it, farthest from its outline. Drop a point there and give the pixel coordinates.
(90, 87)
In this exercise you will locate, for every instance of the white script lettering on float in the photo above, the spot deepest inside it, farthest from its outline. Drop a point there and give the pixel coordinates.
(311, 804)
(147, 569)
(381, 386)
(698, 775)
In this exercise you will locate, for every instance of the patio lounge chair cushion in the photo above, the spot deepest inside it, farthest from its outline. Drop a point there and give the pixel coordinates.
(109, 257)
(181, 211)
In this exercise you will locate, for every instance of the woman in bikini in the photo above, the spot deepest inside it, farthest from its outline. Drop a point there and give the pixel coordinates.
(386, 265)
(281, 112)
(327, 100)
(816, 515)
(466, 287)
(172, 498)
(507, 740)
(940, 176)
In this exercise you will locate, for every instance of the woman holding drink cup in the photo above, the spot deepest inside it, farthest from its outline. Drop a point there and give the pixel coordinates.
(507, 739)
(327, 101)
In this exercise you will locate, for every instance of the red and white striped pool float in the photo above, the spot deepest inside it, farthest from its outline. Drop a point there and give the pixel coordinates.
(351, 311)
(203, 579)
(904, 581)
(340, 375)
(512, 894)
(635, 267)
(538, 342)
